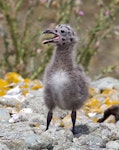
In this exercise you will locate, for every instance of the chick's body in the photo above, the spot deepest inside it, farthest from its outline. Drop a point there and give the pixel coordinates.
(65, 89)
(65, 83)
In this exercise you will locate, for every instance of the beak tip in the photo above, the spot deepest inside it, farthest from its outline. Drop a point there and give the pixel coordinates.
(48, 31)
(43, 32)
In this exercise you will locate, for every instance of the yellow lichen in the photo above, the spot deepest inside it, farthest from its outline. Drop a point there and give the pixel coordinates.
(109, 102)
(92, 91)
(96, 109)
(54, 119)
(108, 91)
(13, 77)
(93, 102)
(4, 86)
(95, 120)
(36, 85)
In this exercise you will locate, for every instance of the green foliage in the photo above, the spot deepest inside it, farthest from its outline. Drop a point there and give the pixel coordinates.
(18, 34)
(21, 35)
(102, 28)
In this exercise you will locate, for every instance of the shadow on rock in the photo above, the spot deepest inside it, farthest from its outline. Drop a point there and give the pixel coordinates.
(81, 129)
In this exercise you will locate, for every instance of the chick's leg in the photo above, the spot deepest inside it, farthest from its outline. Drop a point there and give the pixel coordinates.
(49, 118)
(73, 118)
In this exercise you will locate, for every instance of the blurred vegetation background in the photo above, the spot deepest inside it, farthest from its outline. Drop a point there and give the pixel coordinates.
(22, 22)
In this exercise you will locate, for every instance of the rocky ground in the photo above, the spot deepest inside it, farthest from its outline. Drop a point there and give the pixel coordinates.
(23, 121)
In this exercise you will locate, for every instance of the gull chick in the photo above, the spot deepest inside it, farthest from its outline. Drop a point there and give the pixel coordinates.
(65, 82)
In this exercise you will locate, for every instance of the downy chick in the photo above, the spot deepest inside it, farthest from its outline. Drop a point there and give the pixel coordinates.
(65, 83)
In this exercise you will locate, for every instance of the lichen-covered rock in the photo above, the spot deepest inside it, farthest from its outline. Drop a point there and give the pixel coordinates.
(29, 132)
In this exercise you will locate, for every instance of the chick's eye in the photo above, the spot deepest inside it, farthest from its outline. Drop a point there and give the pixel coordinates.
(62, 31)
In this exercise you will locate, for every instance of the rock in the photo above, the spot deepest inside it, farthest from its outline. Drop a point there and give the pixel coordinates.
(3, 146)
(14, 144)
(13, 98)
(36, 103)
(4, 115)
(30, 133)
(92, 136)
(37, 120)
(90, 140)
(62, 138)
(36, 93)
(36, 142)
(92, 126)
(14, 91)
(113, 145)
(23, 134)
(105, 83)
(22, 115)
(11, 101)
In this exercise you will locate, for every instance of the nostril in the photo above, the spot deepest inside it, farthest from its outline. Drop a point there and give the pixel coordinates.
(55, 30)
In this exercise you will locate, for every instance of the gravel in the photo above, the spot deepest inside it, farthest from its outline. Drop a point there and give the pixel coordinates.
(30, 134)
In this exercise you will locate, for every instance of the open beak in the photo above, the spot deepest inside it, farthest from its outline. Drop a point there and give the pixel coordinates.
(53, 39)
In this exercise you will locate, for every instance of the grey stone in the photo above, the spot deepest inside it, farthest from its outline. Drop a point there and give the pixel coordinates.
(105, 83)
(4, 115)
(70, 147)
(59, 136)
(37, 142)
(31, 133)
(3, 146)
(14, 144)
(90, 140)
(23, 132)
(37, 119)
(93, 136)
(114, 145)
(35, 103)
(10, 101)
(36, 93)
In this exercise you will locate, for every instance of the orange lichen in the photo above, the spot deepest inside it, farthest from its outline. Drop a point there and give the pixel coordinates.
(66, 121)
(4, 86)
(95, 120)
(13, 77)
(92, 106)
(109, 102)
(92, 102)
(96, 109)
(36, 85)
(61, 124)
(92, 91)
(108, 91)
(54, 119)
